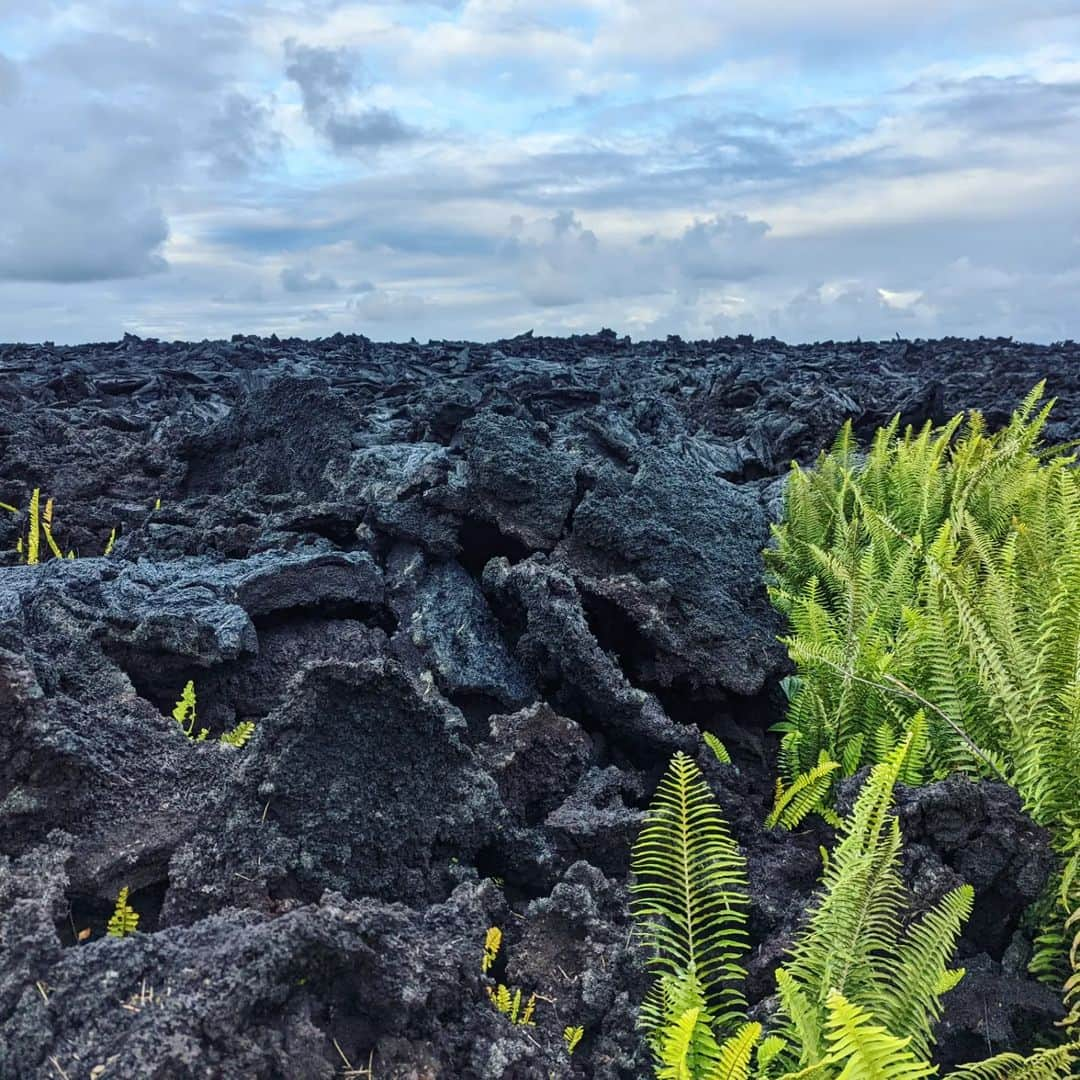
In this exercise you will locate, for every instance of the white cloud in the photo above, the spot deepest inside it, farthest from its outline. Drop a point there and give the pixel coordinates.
(469, 169)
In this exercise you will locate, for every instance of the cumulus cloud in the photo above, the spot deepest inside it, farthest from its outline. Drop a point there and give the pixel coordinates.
(330, 81)
(103, 129)
(179, 170)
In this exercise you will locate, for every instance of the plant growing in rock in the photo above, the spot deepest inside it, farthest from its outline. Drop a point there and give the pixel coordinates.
(240, 734)
(932, 584)
(506, 1001)
(39, 528)
(124, 919)
(184, 714)
(861, 990)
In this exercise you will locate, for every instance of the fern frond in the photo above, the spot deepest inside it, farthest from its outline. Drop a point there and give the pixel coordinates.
(689, 891)
(124, 919)
(1050, 1064)
(907, 997)
(717, 747)
(240, 734)
(33, 536)
(674, 1056)
(802, 796)
(770, 1048)
(734, 1054)
(492, 944)
(865, 1049)
(184, 711)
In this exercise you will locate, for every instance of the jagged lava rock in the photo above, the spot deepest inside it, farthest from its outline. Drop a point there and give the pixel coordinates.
(472, 595)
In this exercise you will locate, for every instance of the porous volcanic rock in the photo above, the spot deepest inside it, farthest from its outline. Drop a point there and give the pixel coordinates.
(472, 597)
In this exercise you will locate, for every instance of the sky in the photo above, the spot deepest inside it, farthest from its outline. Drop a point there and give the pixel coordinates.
(473, 169)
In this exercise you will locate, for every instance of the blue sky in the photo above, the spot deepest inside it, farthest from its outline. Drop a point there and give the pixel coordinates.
(475, 169)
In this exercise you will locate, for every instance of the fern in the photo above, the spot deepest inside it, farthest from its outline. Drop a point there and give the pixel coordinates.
(1051, 1064)
(33, 538)
(124, 919)
(854, 942)
(572, 1036)
(492, 944)
(932, 585)
(804, 795)
(689, 895)
(867, 1051)
(184, 713)
(861, 991)
(240, 734)
(717, 747)
(506, 1001)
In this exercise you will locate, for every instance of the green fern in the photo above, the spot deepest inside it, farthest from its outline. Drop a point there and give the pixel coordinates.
(689, 897)
(717, 747)
(932, 585)
(184, 714)
(865, 1050)
(1056, 1063)
(854, 941)
(861, 991)
(805, 794)
(124, 919)
(240, 734)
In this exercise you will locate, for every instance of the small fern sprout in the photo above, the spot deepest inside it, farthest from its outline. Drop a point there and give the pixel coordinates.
(527, 1016)
(508, 1002)
(492, 944)
(125, 919)
(572, 1036)
(719, 750)
(184, 713)
(240, 734)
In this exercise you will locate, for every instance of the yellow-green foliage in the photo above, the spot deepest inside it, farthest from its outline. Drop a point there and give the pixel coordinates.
(492, 944)
(1071, 1023)
(508, 1002)
(861, 989)
(689, 901)
(932, 583)
(505, 1000)
(239, 734)
(719, 750)
(125, 919)
(572, 1036)
(805, 794)
(39, 527)
(184, 713)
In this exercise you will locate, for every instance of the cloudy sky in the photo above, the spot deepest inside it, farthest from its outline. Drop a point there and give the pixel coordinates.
(473, 169)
